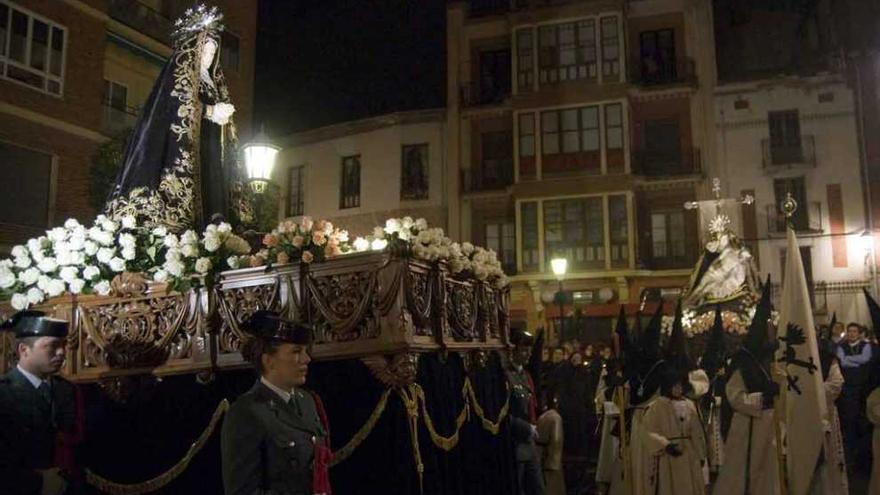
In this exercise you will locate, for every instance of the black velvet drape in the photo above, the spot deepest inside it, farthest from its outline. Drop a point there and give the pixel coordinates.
(143, 437)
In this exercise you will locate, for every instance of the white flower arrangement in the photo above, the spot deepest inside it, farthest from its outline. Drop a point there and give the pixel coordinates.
(75, 259)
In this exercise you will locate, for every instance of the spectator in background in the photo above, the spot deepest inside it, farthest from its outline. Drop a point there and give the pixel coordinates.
(854, 355)
(550, 441)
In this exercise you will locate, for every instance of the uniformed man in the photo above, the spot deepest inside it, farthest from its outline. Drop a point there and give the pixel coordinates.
(523, 416)
(275, 438)
(40, 416)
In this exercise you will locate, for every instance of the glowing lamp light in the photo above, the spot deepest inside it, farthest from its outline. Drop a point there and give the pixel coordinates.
(259, 160)
(379, 244)
(559, 266)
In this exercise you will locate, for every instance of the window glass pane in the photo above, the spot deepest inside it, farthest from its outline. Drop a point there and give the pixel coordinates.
(570, 142)
(295, 199)
(658, 234)
(549, 122)
(590, 140)
(527, 146)
(229, 51)
(550, 143)
(18, 41)
(619, 227)
(57, 51)
(613, 115)
(4, 22)
(590, 117)
(39, 45)
(414, 172)
(570, 119)
(529, 227)
(30, 171)
(526, 124)
(615, 138)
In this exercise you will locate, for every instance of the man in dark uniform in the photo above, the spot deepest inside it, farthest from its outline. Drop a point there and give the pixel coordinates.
(854, 354)
(275, 438)
(523, 416)
(40, 416)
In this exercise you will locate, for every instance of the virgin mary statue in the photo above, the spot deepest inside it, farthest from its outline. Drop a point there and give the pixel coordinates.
(181, 164)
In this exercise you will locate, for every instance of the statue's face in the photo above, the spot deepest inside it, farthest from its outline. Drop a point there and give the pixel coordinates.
(209, 50)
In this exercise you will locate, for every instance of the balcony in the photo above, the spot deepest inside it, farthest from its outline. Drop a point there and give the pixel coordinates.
(494, 175)
(116, 120)
(803, 220)
(650, 73)
(475, 95)
(664, 163)
(801, 154)
(142, 18)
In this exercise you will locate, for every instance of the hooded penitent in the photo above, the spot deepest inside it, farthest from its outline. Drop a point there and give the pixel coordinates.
(754, 357)
(646, 382)
(179, 167)
(715, 353)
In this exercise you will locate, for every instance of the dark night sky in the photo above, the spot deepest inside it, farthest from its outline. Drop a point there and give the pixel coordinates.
(325, 61)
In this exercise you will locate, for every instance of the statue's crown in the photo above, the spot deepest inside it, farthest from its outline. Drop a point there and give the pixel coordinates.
(196, 19)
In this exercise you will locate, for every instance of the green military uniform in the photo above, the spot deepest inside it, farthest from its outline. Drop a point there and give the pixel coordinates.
(268, 445)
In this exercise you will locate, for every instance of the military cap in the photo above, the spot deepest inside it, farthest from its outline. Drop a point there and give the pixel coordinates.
(270, 325)
(32, 323)
(521, 338)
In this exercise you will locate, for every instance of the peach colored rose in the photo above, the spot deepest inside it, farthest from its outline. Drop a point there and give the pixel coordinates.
(308, 257)
(270, 240)
(257, 261)
(333, 251)
(319, 238)
(307, 223)
(282, 258)
(297, 241)
(319, 225)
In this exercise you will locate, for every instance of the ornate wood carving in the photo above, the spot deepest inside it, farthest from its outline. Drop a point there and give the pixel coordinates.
(461, 309)
(344, 306)
(128, 284)
(236, 305)
(398, 370)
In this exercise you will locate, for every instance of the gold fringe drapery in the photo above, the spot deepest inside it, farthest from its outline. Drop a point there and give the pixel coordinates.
(362, 434)
(168, 476)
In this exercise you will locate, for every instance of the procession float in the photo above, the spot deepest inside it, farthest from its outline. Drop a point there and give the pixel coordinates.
(409, 326)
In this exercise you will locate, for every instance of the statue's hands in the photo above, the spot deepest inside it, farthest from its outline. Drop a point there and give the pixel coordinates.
(220, 113)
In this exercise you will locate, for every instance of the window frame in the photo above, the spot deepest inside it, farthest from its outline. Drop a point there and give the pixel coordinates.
(47, 74)
(403, 171)
(669, 257)
(223, 52)
(51, 193)
(355, 196)
(301, 171)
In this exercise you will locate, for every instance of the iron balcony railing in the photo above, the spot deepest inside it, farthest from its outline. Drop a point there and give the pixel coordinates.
(652, 72)
(662, 163)
(801, 153)
(473, 94)
(492, 175)
(807, 218)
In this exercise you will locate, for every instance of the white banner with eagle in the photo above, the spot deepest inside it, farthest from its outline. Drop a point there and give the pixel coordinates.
(804, 391)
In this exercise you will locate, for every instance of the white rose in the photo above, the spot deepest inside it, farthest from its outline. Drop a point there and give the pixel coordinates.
(424, 237)
(173, 255)
(160, 231)
(392, 225)
(127, 241)
(64, 258)
(57, 234)
(211, 228)
(27, 277)
(128, 254)
(76, 286)
(36, 245)
(421, 224)
(7, 278)
(90, 248)
(224, 228)
(100, 219)
(56, 288)
(90, 272)
(35, 296)
(43, 283)
(71, 223)
(203, 265)
(106, 254)
(190, 250)
(128, 222)
(77, 242)
(361, 244)
(20, 252)
(171, 241)
(467, 248)
(117, 264)
(342, 236)
(23, 262)
(48, 264)
(19, 302)
(102, 288)
(378, 233)
(160, 276)
(189, 237)
(109, 226)
(7, 263)
(212, 242)
(232, 261)
(237, 245)
(174, 267)
(68, 274)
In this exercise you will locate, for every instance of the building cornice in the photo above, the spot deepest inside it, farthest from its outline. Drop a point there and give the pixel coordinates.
(363, 125)
(87, 9)
(52, 122)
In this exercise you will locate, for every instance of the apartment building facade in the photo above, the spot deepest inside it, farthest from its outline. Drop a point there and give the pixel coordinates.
(579, 129)
(357, 174)
(73, 74)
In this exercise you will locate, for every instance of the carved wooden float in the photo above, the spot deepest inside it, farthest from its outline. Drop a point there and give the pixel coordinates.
(367, 305)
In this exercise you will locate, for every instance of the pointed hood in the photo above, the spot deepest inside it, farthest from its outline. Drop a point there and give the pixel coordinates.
(716, 349)
(650, 339)
(624, 344)
(874, 309)
(757, 339)
(676, 352)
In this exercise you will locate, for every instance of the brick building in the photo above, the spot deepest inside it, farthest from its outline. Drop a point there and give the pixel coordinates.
(73, 73)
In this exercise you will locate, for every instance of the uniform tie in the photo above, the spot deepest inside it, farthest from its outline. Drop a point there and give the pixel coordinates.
(45, 391)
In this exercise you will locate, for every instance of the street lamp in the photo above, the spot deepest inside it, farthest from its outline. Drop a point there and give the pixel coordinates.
(560, 266)
(259, 160)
